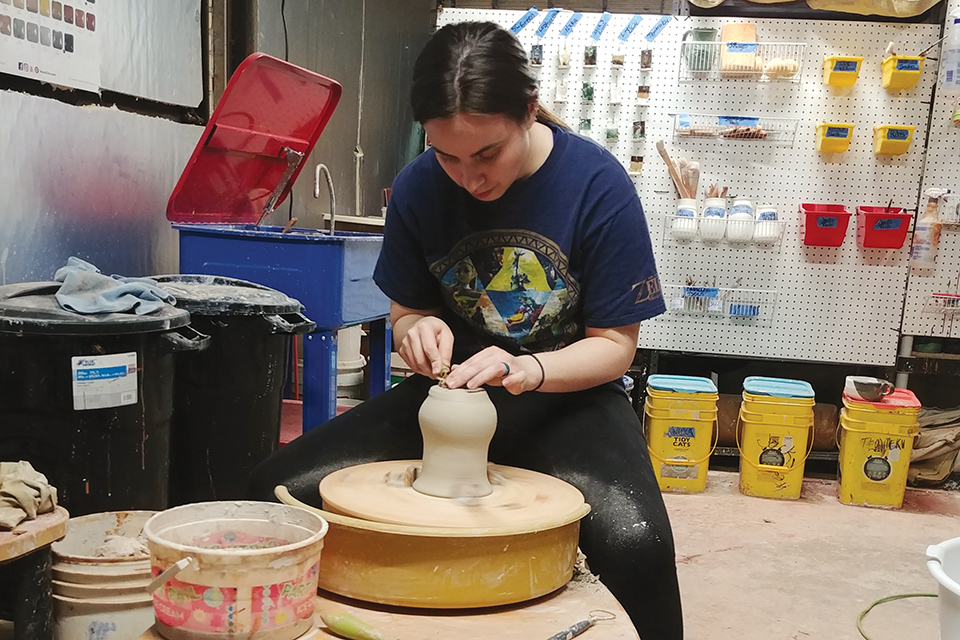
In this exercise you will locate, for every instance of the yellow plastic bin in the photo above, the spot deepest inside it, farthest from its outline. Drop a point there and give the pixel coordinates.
(892, 140)
(874, 460)
(774, 436)
(901, 72)
(841, 71)
(834, 137)
(680, 420)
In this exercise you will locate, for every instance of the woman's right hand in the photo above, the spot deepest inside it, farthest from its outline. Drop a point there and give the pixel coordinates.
(427, 346)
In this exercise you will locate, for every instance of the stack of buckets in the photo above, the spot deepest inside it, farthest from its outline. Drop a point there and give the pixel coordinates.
(876, 441)
(776, 420)
(680, 416)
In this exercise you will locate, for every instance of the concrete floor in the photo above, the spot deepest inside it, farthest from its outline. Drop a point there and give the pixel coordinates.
(761, 569)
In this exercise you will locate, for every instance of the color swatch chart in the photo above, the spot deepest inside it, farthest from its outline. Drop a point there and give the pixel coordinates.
(51, 41)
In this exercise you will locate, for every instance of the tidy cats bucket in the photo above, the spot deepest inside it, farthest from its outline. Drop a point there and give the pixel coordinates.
(234, 569)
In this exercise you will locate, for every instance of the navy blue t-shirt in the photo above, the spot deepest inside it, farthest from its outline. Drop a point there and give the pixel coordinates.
(564, 249)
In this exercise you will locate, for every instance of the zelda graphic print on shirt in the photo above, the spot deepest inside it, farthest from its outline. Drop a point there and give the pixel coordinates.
(512, 284)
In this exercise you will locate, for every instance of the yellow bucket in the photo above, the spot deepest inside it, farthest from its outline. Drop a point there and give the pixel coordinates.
(680, 449)
(841, 71)
(874, 460)
(775, 405)
(834, 137)
(772, 457)
(663, 400)
(892, 140)
(901, 72)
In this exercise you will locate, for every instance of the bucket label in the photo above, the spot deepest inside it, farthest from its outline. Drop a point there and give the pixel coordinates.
(846, 66)
(887, 224)
(898, 134)
(100, 382)
(837, 132)
(877, 469)
(234, 610)
(679, 471)
(908, 65)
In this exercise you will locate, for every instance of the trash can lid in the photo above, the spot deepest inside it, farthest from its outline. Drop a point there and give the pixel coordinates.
(32, 307)
(681, 384)
(255, 144)
(778, 387)
(205, 295)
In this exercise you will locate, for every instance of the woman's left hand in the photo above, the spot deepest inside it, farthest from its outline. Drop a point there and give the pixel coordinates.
(496, 367)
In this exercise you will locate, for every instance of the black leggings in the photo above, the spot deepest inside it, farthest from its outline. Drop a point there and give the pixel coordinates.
(592, 439)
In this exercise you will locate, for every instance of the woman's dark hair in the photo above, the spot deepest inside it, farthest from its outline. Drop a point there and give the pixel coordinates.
(474, 67)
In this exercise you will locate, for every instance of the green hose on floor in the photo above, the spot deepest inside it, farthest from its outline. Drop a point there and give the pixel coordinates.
(899, 596)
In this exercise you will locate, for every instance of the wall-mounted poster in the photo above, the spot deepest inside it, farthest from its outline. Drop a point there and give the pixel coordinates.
(54, 41)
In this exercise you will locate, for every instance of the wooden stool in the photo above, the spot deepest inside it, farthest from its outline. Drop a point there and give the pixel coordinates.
(535, 620)
(25, 560)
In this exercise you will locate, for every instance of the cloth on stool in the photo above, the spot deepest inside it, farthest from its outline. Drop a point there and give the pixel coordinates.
(86, 290)
(24, 493)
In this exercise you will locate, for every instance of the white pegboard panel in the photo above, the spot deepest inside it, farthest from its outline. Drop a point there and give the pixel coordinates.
(942, 170)
(833, 304)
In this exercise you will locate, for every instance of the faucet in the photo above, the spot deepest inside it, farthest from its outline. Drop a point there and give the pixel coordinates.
(322, 168)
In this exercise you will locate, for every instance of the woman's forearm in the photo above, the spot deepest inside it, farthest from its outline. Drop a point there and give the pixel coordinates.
(602, 356)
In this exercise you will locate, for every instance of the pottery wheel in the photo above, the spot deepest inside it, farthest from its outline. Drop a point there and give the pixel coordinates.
(380, 491)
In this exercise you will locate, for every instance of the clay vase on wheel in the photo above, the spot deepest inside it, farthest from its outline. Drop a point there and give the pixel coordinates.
(457, 426)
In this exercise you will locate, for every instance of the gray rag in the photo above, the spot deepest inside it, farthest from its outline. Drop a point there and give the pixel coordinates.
(86, 290)
(24, 493)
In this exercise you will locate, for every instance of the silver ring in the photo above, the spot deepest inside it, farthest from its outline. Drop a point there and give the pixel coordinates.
(506, 370)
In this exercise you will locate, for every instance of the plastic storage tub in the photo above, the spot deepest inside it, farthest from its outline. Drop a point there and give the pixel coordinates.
(228, 398)
(88, 399)
(892, 140)
(841, 71)
(834, 137)
(880, 228)
(901, 72)
(824, 225)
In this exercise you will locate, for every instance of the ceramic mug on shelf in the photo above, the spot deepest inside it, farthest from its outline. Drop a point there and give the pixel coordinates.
(867, 389)
(700, 57)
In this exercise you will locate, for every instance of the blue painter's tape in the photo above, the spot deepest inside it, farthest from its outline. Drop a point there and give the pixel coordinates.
(846, 66)
(658, 28)
(741, 47)
(601, 25)
(737, 121)
(898, 134)
(837, 132)
(571, 23)
(547, 22)
(527, 18)
(908, 65)
(701, 292)
(683, 120)
(102, 373)
(887, 224)
(681, 432)
(827, 222)
(627, 30)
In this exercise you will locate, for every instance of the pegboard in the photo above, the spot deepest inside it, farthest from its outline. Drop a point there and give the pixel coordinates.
(839, 304)
(942, 171)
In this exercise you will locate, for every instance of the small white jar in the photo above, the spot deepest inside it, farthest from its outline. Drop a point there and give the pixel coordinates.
(740, 222)
(714, 222)
(767, 229)
(685, 220)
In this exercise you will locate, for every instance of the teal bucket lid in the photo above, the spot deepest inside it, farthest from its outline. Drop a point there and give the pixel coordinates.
(681, 384)
(779, 387)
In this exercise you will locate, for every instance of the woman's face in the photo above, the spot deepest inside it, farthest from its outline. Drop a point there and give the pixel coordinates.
(484, 154)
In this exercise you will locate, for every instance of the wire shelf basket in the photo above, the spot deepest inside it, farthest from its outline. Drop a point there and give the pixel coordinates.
(758, 61)
(720, 302)
(776, 131)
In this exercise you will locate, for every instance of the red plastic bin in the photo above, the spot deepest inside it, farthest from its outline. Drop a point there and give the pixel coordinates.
(824, 225)
(878, 228)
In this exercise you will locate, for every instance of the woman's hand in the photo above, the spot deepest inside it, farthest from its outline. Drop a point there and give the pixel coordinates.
(427, 346)
(496, 367)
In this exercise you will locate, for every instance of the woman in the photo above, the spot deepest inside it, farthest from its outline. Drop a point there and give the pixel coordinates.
(517, 252)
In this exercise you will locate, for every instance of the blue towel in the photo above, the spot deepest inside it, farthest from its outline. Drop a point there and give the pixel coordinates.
(86, 290)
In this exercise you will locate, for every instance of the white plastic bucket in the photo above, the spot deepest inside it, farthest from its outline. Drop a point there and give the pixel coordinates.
(97, 596)
(234, 569)
(943, 562)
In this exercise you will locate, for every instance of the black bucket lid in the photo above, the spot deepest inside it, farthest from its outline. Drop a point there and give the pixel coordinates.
(205, 295)
(32, 307)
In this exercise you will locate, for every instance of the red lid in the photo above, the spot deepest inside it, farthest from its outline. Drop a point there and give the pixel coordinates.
(270, 111)
(899, 399)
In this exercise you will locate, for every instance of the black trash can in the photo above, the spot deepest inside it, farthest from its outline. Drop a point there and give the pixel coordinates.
(88, 399)
(229, 397)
